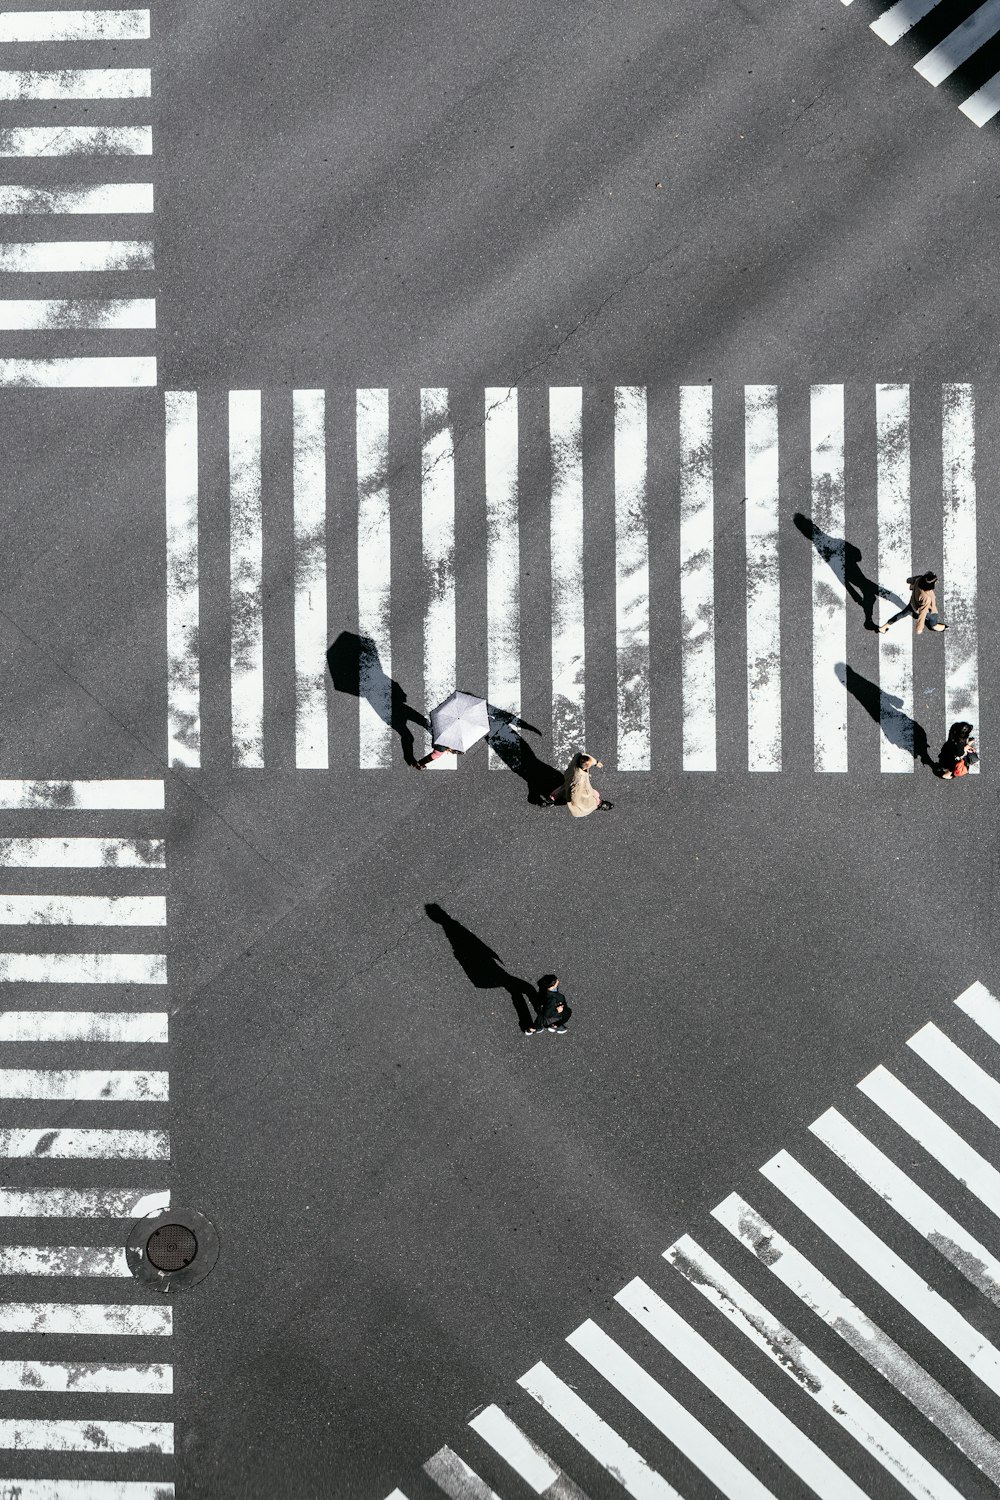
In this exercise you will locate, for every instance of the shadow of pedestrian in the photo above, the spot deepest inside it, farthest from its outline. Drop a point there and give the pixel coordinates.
(355, 668)
(518, 756)
(482, 967)
(845, 560)
(887, 711)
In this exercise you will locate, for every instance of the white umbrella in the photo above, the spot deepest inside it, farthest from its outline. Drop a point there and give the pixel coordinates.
(460, 721)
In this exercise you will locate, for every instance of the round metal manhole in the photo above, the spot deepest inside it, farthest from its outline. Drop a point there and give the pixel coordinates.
(171, 1247)
(172, 1250)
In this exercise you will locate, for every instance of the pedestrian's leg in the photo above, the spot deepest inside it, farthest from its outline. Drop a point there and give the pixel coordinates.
(899, 615)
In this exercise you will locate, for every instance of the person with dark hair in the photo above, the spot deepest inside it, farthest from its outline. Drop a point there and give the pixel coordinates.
(576, 792)
(553, 1012)
(922, 605)
(958, 752)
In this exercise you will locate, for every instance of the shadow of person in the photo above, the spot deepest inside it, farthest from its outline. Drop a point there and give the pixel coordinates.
(482, 967)
(887, 711)
(518, 756)
(845, 560)
(355, 668)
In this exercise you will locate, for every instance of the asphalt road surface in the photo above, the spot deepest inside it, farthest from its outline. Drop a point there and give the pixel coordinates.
(416, 1203)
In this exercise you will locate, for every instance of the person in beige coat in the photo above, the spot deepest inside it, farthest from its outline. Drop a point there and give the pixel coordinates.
(922, 605)
(576, 791)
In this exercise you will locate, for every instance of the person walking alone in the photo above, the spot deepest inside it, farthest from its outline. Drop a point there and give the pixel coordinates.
(576, 791)
(922, 605)
(958, 752)
(553, 1012)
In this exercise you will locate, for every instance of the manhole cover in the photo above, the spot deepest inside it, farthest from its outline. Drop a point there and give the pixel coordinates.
(171, 1247)
(171, 1250)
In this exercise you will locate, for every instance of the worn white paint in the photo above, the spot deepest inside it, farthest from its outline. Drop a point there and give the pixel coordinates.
(957, 1068)
(312, 751)
(763, 578)
(959, 584)
(566, 556)
(85, 1317)
(813, 1467)
(83, 911)
(981, 1007)
(83, 968)
(75, 83)
(85, 1083)
(61, 256)
(87, 1203)
(810, 1373)
(86, 1145)
(60, 1435)
(697, 578)
(73, 1378)
(77, 140)
(944, 1144)
(901, 18)
(90, 1489)
(246, 579)
(123, 1027)
(922, 1212)
(593, 1434)
(860, 1333)
(632, 579)
(721, 1468)
(82, 854)
(523, 1455)
(183, 670)
(456, 1478)
(959, 45)
(437, 496)
(80, 198)
(829, 596)
(78, 796)
(889, 1270)
(984, 104)
(895, 648)
(503, 554)
(46, 314)
(74, 26)
(374, 575)
(63, 1260)
(100, 371)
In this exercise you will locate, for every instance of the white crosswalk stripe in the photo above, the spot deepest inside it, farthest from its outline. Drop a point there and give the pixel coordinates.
(64, 1213)
(679, 1379)
(958, 46)
(69, 59)
(657, 598)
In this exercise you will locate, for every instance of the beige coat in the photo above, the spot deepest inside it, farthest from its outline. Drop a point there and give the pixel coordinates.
(922, 602)
(577, 792)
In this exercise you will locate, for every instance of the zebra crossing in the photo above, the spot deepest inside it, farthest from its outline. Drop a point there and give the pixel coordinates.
(71, 179)
(848, 1268)
(85, 1378)
(961, 47)
(316, 574)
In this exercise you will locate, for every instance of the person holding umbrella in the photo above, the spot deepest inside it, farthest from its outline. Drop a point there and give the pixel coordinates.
(456, 725)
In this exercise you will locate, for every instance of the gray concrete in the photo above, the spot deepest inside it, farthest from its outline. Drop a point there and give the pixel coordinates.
(414, 1202)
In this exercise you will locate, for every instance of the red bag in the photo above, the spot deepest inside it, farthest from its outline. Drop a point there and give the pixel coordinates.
(961, 768)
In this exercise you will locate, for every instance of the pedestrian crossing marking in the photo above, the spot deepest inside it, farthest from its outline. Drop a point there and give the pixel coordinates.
(300, 584)
(917, 1445)
(957, 49)
(40, 339)
(62, 1284)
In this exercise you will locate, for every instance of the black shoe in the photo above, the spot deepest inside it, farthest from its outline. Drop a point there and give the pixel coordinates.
(605, 806)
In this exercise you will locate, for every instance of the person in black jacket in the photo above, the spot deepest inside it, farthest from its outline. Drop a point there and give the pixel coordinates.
(958, 750)
(553, 1012)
